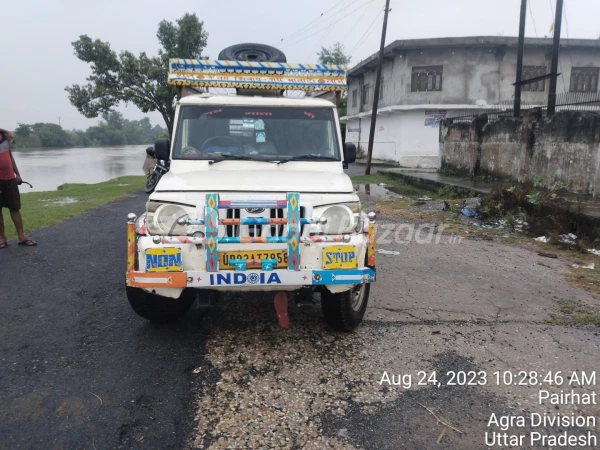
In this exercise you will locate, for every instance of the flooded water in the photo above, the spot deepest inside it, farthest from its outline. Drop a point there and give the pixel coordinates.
(376, 192)
(46, 169)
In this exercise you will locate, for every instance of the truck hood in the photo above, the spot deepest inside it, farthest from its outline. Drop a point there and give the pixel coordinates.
(256, 181)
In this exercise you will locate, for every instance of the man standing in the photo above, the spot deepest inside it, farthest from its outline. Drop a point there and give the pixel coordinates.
(10, 178)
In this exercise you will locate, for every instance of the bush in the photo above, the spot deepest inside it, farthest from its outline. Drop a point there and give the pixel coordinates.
(447, 192)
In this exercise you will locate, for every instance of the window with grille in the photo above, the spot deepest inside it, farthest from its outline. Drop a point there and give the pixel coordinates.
(381, 89)
(533, 72)
(426, 79)
(354, 97)
(584, 79)
(365, 94)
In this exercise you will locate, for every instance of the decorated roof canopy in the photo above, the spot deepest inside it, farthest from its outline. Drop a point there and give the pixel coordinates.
(257, 75)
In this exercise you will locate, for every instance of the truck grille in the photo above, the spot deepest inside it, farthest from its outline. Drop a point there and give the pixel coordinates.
(256, 230)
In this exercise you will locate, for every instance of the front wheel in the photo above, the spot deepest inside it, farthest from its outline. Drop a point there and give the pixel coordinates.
(345, 310)
(156, 308)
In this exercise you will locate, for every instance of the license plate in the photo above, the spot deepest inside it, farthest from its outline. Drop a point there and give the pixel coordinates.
(163, 260)
(253, 258)
(339, 257)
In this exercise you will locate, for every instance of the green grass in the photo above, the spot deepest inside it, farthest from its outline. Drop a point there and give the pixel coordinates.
(448, 192)
(375, 178)
(448, 172)
(574, 312)
(588, 279)
(568, 306)
(42, 209)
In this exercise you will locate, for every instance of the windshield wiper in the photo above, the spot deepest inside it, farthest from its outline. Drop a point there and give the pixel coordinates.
(310, 156)
(220, 158)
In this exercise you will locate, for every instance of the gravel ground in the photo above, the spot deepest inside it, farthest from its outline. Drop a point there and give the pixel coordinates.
(80, 370)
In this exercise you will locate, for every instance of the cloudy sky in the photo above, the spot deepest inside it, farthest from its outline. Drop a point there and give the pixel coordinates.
(38, 61)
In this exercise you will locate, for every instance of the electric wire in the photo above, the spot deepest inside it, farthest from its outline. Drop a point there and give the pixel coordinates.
(318, 24)
(299, 39)
(367, 33)
(311, 22)
(353, 26)
(327, 26)
(562, 73)
(532, 19)
(567, 30)
(343, 42)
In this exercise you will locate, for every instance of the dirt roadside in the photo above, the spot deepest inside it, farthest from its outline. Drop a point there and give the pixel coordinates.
(469, 306)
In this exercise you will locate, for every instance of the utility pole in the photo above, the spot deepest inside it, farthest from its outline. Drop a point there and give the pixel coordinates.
(554, 64)
(520, 48)
(58, 120)
(377, 86)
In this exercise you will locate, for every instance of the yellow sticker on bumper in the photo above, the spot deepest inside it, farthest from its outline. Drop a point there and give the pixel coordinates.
(340, 257)
(163, 260)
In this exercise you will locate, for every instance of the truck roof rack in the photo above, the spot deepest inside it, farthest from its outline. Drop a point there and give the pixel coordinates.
(252, 75)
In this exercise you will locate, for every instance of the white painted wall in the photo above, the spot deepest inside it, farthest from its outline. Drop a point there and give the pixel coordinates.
(401, 137)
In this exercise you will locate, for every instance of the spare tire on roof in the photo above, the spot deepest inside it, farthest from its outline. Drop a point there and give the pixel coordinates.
(252, 52)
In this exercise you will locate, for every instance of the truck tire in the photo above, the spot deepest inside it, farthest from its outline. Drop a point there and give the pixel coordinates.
(158, 309)
(252, 52)
(344, 311)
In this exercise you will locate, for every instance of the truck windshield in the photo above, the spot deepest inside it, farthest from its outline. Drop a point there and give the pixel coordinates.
(264, 134)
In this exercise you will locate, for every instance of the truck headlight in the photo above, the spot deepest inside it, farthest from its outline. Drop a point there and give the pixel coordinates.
(161, 219)
(341, 218)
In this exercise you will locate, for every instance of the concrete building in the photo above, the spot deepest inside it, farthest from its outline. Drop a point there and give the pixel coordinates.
(422, 79)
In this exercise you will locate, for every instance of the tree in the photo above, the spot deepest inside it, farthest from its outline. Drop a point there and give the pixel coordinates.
(51, 135)
(113, 119)
(141, 80)
(334, 55)
(342, 106)
(112, 130)
(23, 130)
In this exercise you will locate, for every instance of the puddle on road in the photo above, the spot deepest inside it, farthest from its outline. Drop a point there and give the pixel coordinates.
(377, 192)
(60, 201)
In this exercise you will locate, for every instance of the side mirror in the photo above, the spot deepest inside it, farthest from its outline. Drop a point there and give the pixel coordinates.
(349, 153)
(162, 149)
(150, 152)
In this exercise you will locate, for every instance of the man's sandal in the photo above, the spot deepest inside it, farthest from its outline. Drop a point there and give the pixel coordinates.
(3, 245)
(28, 243)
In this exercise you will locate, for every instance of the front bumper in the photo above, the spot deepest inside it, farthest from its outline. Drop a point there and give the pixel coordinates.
(200, 268)
(196, 275)
(279, 279)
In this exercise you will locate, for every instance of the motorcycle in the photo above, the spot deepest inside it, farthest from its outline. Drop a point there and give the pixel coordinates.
(160, 168)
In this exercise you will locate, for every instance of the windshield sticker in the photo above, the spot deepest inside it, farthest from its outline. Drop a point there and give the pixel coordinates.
(239, 127)
(214, 111)
(258, 113)
(241, 133)
(259, 125)
(309, 115)
(261, 136)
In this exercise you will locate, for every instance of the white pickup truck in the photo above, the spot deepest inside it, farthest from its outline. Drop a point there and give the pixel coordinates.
(256, 198)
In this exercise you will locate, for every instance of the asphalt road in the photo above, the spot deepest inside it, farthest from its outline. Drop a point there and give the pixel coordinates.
(79, 370)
